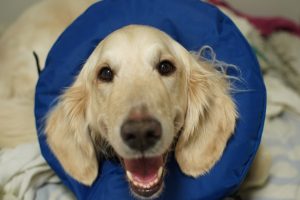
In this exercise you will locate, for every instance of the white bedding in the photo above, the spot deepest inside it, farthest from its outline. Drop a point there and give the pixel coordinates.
(282, 136)
(24, 174)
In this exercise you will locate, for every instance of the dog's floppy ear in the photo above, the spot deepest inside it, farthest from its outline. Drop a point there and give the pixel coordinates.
(210, 119)
(68, 135)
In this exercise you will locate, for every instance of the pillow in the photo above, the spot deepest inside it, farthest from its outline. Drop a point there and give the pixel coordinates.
(193, 24)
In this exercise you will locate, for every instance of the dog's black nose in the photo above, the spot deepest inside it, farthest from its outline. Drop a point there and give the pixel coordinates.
(141, 134)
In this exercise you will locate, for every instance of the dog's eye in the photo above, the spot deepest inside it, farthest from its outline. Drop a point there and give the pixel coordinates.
(106, 74)
(165, 68)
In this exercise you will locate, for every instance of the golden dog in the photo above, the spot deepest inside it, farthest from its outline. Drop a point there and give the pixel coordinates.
(138, 93)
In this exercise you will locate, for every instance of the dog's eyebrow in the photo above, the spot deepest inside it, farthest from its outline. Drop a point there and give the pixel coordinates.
(157, 52)
(106, 58)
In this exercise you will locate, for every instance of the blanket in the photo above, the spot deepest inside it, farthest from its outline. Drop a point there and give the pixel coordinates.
(24, 174)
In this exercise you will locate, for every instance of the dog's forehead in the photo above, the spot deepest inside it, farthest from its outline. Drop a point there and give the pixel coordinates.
(135, 39)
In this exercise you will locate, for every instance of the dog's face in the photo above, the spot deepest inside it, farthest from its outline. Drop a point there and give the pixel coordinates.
(137, 93)
(138, 102)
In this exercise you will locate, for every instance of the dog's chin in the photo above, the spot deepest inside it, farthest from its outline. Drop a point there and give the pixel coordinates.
(145, 175)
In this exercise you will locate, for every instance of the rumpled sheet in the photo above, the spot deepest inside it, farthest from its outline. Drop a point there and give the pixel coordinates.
(24, 174)
(282, 136)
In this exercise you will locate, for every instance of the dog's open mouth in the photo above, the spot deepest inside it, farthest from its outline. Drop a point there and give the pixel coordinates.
(145, 175)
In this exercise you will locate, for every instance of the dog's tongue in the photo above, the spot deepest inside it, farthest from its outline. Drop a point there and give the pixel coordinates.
(143, 169)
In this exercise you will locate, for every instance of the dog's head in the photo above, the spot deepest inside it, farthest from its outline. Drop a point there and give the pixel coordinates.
(139, 92)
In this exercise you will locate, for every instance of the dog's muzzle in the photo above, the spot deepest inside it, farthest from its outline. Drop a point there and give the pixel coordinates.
(141, 134)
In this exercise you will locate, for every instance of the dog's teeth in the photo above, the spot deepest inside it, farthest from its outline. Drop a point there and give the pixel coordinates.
(159, 173)
(152, 183)
(135, 183)
(145, 186)
(129, 175)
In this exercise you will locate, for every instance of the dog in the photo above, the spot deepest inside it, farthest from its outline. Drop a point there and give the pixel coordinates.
(137, 93)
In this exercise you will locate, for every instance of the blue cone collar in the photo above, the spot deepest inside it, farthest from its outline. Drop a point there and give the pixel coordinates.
(193, 24)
